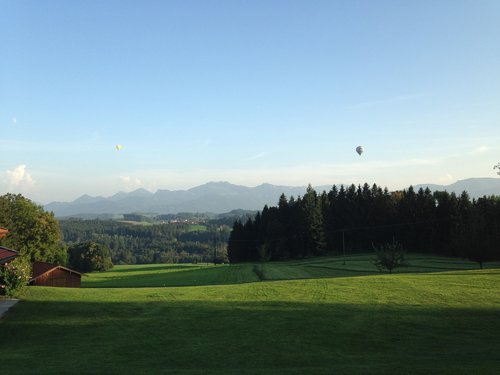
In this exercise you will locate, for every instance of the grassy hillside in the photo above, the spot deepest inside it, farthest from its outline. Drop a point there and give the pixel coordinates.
(446, 321)
(150, 275)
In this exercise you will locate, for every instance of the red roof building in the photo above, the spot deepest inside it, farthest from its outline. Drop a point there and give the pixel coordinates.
(48, 274)
(3, 232)
(7, 255)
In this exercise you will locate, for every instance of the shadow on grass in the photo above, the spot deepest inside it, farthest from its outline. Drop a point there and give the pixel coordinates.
(145, 268)
(189, 276)
(195, 337)
(347, 270)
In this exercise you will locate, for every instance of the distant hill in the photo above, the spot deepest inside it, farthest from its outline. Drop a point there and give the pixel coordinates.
(476, 187)
(221, 197)
(215, 197)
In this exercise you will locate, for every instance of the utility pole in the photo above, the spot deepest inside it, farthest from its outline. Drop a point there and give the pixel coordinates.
(215, 247)
(343, 244)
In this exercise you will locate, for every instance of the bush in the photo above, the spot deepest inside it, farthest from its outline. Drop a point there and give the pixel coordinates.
(14, 276)
(90, 256)
(389, 256)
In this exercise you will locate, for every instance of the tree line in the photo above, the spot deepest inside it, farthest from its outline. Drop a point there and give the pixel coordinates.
(358, 218)
(155, 243)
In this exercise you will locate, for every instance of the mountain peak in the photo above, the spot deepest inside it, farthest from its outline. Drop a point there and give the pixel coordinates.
(85, 199)
(217, 183)
(221, 187)
(141, 192)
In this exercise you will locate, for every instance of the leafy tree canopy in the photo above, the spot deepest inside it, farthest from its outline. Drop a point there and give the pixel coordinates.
(34, 232)
(90, 256)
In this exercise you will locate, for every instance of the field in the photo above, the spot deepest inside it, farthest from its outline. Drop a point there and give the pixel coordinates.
(319, 316)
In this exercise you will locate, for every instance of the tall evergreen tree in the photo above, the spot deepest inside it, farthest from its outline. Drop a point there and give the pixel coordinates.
(329, 219)
(313, 230)
(447, 217)
(235, 246)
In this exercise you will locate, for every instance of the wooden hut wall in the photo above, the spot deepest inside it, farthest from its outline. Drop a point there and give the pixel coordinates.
(60, 278)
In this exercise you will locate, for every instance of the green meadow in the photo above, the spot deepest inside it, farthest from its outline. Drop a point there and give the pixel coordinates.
(317, 316)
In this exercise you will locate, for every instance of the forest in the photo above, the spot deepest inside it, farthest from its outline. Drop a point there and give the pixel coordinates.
(170, 242)
(357, 219)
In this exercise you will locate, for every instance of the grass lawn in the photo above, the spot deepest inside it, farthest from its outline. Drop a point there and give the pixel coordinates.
(316, 316)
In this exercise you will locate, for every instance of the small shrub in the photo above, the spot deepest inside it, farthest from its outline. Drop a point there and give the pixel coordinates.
(14, 277)
(389, 256)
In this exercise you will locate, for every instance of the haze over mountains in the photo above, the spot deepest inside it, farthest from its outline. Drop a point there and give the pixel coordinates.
(221, 197)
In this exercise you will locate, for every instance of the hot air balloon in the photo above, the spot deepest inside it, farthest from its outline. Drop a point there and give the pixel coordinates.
(360, 150)
(118, 147)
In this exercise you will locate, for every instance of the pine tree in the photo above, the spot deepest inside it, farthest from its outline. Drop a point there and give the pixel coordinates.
(234, 245)
(313, 223)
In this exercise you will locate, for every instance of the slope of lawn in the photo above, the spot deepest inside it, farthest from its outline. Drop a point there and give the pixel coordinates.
(440, 322)
(161, 275)
(150, 275)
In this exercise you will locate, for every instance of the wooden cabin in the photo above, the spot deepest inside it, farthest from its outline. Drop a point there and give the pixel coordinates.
(7, 255)
(48, 274)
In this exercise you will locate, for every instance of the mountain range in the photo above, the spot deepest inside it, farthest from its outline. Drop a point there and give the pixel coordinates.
(220, 197)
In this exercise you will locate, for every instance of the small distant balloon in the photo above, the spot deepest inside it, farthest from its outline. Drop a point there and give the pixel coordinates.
(118, 147)
(360, 150)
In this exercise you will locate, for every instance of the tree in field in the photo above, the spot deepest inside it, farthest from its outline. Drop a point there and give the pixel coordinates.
(497, 167)
(389, 256)
(90, 256)
(33, 232)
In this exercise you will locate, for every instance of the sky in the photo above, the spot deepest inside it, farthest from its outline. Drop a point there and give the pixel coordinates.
(249, 92)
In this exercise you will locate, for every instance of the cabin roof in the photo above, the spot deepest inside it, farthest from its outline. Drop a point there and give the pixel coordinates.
(6, 255)
(41, 268)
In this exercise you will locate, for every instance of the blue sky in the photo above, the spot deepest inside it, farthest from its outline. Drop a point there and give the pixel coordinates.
(247, 92)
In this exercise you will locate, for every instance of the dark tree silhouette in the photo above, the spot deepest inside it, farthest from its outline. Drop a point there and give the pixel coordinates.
(422, 221)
